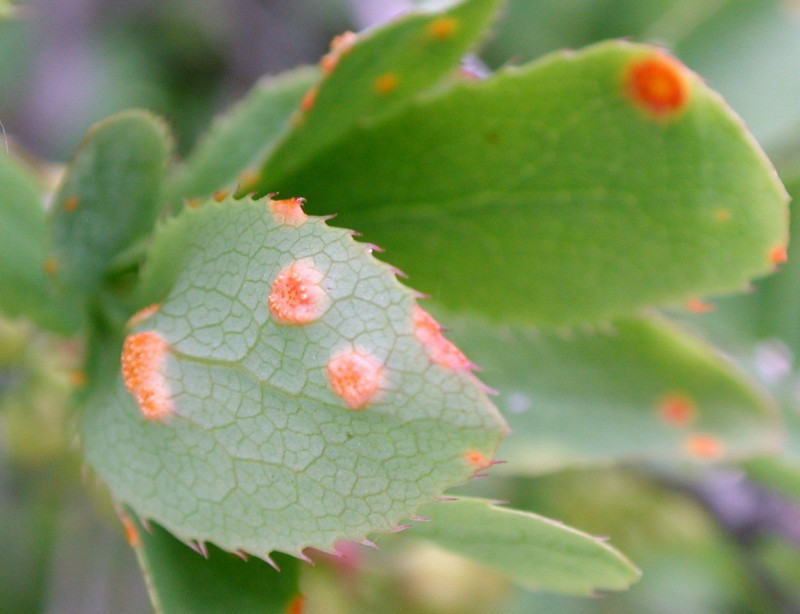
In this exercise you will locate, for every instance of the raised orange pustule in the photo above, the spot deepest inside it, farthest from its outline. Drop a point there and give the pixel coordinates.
(677, 409)
(288, 211)
(386, 83)
(340, 45)
(778, 254)
(658, 85)
(442, 351)
(142, 315)
(143, 359)
(442, 28)
(356, 377)
(477, 460)
(704, 447)
(296, 296)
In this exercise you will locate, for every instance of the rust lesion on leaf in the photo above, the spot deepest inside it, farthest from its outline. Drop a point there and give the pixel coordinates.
(658, 84)
(143, 360)
(356, 376)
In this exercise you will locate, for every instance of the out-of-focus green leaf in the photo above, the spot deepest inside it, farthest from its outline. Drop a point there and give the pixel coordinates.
(382, 72)
(535, 552)
(544, 195)
(642, 389)
(180, 580)
(25, 289)
(240, 139)
(109, 197)
(249, 445)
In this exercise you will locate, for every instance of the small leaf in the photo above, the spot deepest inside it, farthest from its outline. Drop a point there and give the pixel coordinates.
(109, 197)
(259, 432)
(561, 192)
(643, 389)
(535, 552)
(382, 72)
(181, 580)
(25, 289)
(240, 139)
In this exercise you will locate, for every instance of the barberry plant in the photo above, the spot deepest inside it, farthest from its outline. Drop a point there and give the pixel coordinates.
(258, 384)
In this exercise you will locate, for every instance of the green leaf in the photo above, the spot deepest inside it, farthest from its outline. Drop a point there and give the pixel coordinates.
(109, 197)
(249, 445)
(240, 139)
(24, 287)
(642, 389)
(380, 74)
(535, 552)
(181, 580)
(545, 195)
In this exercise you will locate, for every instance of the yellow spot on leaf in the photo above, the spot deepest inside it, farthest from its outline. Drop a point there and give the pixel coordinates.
(443, 28)
(695, 305)
(386, 83)
(221, 195)
(50, 266)
(477, 460)
(722, 215)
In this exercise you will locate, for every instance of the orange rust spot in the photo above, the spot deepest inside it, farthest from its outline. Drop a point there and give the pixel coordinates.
(704, 447)
(722, 215)
(288, 211)
(386, 83)
(442, 28)
(297, 297)
(310, 97)
(221, 195)
(340, 45)
(695, 305)
(50, 266)
(141, 315)
(143, 357)
(355, 376)
(131, 532)
(477, 460)
(677, 409)
(658, 84)
(193, 203)
(248, 180)
(442, 351)
(296, 605)
(71, 203)
(778, 254)
(77, 378)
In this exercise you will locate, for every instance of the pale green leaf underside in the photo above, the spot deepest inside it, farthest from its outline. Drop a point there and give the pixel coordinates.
(109, 197)
(180, 580)
(24, 287)
(544, 195)
(605, 396)
(535, 552)
(261, 455)
(239, 139)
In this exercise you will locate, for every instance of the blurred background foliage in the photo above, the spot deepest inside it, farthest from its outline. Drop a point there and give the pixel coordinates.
(65, 64)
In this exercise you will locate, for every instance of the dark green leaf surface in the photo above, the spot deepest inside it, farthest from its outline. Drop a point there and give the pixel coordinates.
(379, 75)
(642, 389)
(180, 580)
(240, 139)
(535, 552)
(24, 287)
(256, 452)
(544, 195)
(109, 197)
